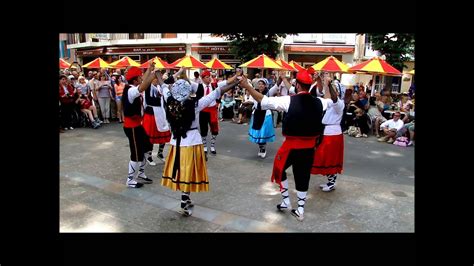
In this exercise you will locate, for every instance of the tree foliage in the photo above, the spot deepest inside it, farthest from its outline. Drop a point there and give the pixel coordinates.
(397, 47)
(248, 46)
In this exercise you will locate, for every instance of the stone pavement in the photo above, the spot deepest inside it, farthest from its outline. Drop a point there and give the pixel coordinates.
(375, 193)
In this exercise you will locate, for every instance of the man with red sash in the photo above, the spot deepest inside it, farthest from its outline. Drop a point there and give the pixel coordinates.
(208, 116)
(301, 128)
(132, 125)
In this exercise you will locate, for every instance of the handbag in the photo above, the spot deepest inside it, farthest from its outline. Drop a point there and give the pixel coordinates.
(353, 131)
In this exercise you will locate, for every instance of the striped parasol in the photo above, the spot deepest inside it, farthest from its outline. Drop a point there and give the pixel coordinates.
(124, 63)
(96, 63)
(63, 63)
(189, 62)
(217, 64)
(262, 61)
(295, 65)
(375, 66)
(330, 64)
(285, 65)
(159, 63)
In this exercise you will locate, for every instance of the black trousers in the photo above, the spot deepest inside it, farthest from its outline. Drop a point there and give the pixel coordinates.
(302, 161)
(66, 114)
(204, 123)
(139, 143)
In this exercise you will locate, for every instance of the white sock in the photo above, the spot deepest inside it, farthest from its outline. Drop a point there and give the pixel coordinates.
(301, 200)
(284, 193)
(213, 140)
(132, 169)
(141, 170)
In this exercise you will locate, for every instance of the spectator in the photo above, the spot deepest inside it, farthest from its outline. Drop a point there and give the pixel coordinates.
(390, 128)
(66, 97)
(104, 94)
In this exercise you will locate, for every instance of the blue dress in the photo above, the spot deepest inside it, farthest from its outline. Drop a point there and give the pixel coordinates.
(266, 133)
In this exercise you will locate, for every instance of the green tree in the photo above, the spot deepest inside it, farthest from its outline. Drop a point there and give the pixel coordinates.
(397, 47)
(248, 46)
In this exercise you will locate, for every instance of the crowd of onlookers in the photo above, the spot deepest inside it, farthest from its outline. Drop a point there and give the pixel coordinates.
(95, 99)
(90, 100)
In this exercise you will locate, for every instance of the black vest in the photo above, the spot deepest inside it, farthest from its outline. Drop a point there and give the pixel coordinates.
(131, 109)
(151, 101)
(304, 116)
(200, 91)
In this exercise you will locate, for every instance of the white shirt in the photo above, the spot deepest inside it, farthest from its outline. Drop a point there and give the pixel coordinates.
(283, 103)
(195, 85)
(255, 105)
(392, 124)
(133, 93)
(282, 88)
(332, 118)
(193, 137)
(318, 93)
(159, 112)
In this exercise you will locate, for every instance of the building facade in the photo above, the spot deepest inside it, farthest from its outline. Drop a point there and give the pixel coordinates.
(304, 48)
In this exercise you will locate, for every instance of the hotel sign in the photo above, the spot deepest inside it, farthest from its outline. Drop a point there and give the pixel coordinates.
(211, 49)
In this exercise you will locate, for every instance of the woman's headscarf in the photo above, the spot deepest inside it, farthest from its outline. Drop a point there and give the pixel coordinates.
(181, 90)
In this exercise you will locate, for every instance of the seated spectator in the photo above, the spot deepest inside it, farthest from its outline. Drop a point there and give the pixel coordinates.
(349, 115)
(245, 108)
(361, 120)
(86, 107)
(375, 113)
(227, 105)
(364, 100)
(408, 130)
(405, 105)
(390, 128)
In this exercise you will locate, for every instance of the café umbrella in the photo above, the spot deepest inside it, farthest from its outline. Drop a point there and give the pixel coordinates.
(188, 62)
(330, 64)
(63, 63)
(217, 64)
(96, 63)
(285, 65)
(295, 65)
(375, 66)
(124, 63)
(159, 63)
(262, 61)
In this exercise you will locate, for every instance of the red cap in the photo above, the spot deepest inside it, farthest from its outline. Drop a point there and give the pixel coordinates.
(205, 73)
(304, 77)
(133, 72)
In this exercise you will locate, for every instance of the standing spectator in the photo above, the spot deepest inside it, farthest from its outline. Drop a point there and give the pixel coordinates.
(66, 97)
(118, 87)
(104, 94)
(255, 80)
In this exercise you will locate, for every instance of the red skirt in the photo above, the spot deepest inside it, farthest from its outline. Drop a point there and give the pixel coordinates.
(156, 137)
(329, 156)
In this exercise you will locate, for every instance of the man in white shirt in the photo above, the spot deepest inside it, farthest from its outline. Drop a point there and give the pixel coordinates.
(301, 128)
(390, 128)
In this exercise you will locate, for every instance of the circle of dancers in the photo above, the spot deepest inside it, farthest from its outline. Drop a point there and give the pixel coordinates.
(160, 108)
